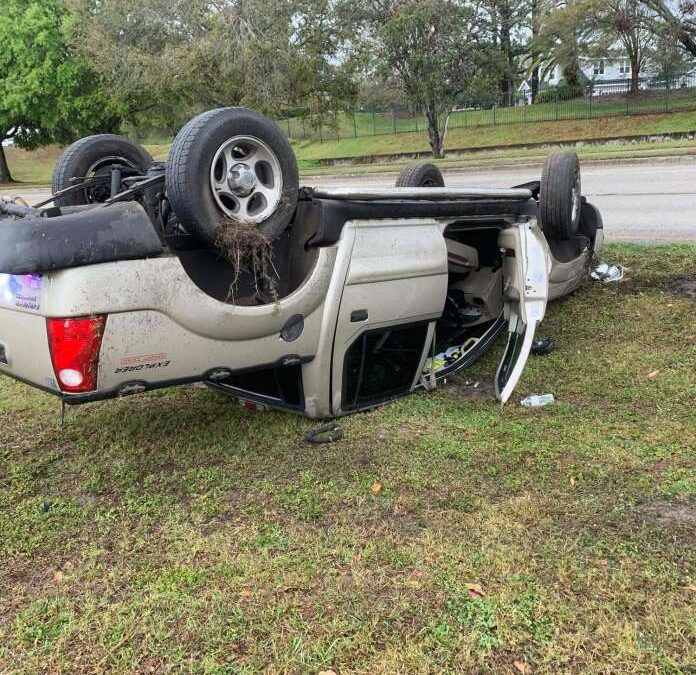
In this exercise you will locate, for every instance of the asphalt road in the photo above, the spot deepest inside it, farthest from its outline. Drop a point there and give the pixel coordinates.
(647, 202)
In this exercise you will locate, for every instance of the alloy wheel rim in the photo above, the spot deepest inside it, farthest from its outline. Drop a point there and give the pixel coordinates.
(246, 179)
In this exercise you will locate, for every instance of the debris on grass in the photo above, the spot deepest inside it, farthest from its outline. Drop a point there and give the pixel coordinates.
(475, 590)
(543, 346)
(537, 401)
(607, 273)
(248, 249)
(522, 667)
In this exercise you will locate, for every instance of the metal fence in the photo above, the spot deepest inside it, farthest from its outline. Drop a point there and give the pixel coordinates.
(593, 100)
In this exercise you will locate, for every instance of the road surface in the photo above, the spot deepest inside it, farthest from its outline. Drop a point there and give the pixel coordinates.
(646, 202)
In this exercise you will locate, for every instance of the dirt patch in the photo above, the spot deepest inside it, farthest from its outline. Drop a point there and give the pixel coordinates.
(686, 287)
(470, 389)
(678, 285)
(666, 513)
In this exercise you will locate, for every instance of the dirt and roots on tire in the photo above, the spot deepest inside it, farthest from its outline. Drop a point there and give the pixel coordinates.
(94, 156)
(560, 196)
(422, 174)
(232, 165)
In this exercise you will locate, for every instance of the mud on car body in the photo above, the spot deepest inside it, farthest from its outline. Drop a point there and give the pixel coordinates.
(117, 285)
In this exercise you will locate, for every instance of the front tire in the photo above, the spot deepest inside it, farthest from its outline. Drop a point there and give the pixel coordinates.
(232, 164)
(560, 197)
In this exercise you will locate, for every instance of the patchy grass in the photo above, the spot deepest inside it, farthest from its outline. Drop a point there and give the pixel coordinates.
(177, 532)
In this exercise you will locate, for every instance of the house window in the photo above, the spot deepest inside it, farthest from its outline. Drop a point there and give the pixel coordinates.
(624, 67)
(598, 68)
(552, 74)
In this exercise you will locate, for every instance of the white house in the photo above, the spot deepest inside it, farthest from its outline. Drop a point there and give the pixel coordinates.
(611, 74)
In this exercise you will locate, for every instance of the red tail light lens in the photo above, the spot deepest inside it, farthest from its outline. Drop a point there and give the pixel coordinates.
(75, 345)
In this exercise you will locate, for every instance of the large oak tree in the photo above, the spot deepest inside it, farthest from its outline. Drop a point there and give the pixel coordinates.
(47, 94)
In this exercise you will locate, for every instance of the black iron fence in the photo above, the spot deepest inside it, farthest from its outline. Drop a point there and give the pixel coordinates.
(596, 99)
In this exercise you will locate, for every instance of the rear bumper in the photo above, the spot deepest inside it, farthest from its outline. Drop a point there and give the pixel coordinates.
(121, 231)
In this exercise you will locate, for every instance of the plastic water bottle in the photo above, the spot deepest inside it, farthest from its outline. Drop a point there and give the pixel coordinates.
(537, 401)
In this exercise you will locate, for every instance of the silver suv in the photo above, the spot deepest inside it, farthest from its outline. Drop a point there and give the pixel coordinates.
(123, 284)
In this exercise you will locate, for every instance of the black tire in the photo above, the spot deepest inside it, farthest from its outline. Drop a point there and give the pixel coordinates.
(189, 167)
(422, 174)
(560, 195)
(93, 155)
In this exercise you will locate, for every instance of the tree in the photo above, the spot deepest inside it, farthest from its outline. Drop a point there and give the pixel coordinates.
(165, 60)
(679, 19)
(48, 94)
(430, 48)
(597, 28)
(504, 21)
(627, 21)
(668, 61)
(152, 57)
(325, 65)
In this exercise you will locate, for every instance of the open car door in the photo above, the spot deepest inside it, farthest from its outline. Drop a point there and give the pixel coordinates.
(526, 268)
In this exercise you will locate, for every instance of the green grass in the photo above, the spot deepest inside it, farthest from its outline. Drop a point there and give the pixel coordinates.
(177, 532)
(471, 138)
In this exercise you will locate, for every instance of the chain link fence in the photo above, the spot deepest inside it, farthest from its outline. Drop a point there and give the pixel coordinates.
(594, 100)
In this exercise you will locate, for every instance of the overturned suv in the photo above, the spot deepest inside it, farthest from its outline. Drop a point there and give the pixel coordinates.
(122, 286)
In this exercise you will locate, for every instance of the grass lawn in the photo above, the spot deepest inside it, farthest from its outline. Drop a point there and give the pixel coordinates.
(177, 532)
(501, 135)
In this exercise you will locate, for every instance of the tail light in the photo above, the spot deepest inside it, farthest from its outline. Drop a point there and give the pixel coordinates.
(75, 345)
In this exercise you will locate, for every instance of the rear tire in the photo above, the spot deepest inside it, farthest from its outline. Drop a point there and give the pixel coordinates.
(92, 156)
(560, 197)
(236, 164)
(422, 174)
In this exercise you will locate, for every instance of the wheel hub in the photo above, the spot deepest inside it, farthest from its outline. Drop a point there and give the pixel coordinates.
(246, 179)
(241, 179)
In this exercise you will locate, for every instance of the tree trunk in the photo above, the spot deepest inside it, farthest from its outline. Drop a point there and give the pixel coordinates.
(434, 137)
(535, 53)
(635, 74)
(5, 175)
(535, 84)
(506, 82)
